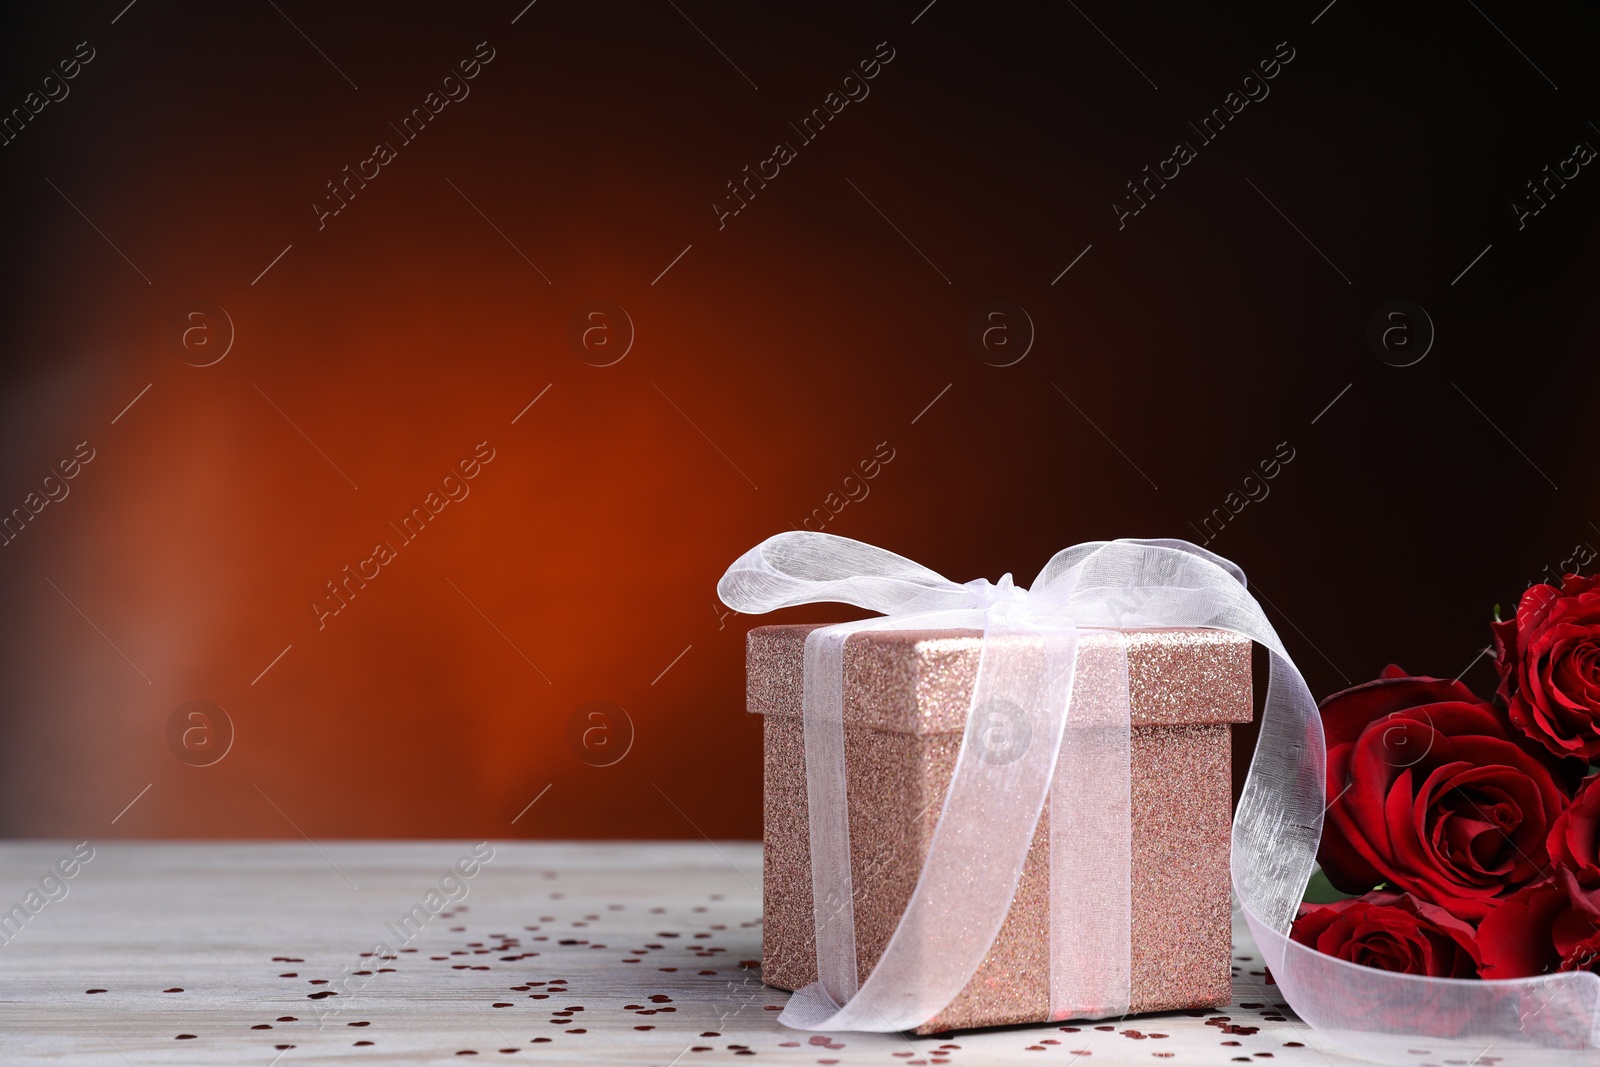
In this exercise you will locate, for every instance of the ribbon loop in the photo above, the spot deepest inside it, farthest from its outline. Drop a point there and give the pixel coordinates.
(801, 567)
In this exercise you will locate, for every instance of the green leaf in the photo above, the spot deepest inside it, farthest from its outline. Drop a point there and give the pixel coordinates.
(1321, 891)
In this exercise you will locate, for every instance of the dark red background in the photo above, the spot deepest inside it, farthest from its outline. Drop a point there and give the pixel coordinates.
(797, 338)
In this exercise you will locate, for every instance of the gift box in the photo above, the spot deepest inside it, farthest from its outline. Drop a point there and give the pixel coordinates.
(906, 697)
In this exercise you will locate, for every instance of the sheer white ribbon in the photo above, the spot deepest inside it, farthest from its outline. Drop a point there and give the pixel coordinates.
(992, 807)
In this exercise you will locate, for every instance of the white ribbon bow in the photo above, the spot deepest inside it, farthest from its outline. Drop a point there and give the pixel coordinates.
(1081, 745)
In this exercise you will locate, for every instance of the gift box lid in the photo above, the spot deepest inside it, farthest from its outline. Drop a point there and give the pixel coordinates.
(919, 681)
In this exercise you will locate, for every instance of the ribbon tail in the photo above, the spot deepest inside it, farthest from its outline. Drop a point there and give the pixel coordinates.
(809, 1008)
(991, 808)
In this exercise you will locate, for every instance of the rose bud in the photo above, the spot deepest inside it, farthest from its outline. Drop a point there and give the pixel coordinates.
(1548, 656)
(1431, 792)
(1541, 929)
(1392, 932)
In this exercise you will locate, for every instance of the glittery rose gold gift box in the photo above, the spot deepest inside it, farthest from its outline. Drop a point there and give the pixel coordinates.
(905, 706)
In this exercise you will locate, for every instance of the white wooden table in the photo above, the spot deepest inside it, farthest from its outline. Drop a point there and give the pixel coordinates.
(558, 953)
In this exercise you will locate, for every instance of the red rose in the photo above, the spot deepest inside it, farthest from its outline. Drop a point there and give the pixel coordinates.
(1392, 932)
(1431, 793)
(1539, 930)
(1549, 662)
(1574, 843)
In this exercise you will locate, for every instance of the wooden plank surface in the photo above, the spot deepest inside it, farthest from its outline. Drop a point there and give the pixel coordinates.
(648, 949)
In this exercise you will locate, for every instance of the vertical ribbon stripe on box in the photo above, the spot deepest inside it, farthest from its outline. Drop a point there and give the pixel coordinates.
(1091, 842)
